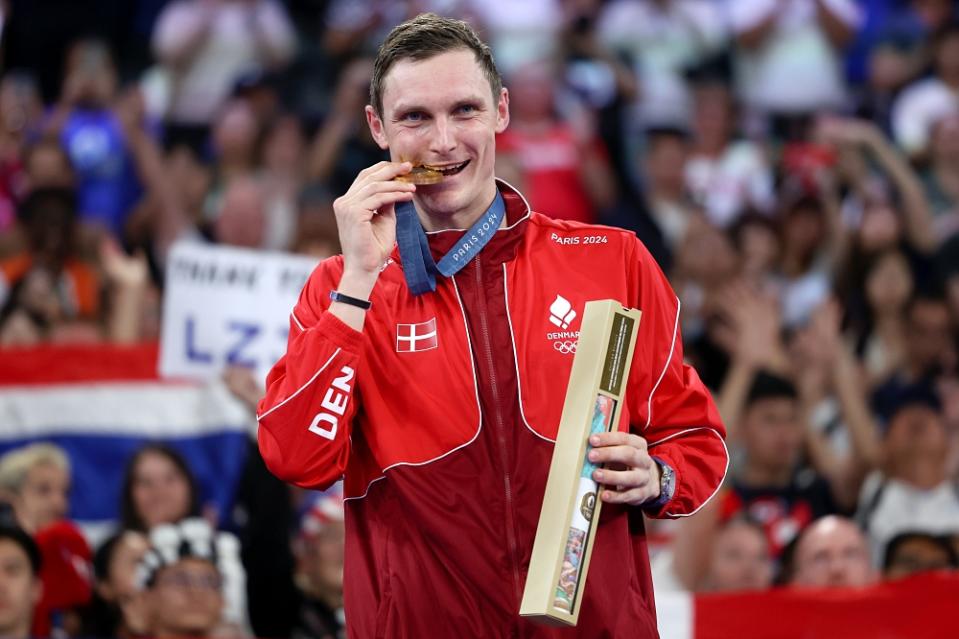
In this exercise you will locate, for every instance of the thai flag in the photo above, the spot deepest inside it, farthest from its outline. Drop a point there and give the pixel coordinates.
(101, 403)
(412, 338)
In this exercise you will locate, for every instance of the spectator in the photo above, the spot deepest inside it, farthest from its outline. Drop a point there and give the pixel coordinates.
(911, 491)
(89, 122)
(319, 556)
(36, 482)
(663, 39)
(206, 46)
(877, 301)
(316, 232)
(924, 102)
(111, 611)
(930, 351)
(843, 441)
(159, 488)
(811, 241)
(895, 187)
(831, 552)
(20, 110)
(757, 241)
(343, 145)
(724, 175)
(181, 583)
(20, 586)
(740, 558)
(788, 58)
(241, 220)
(910, 553)
(282, 176)
(670, 203)
(47, 165)
(771, 485)
(56, 287)
(560, 166)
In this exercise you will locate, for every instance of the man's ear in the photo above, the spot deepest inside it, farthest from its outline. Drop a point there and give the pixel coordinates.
(376, 127)
(502, 110)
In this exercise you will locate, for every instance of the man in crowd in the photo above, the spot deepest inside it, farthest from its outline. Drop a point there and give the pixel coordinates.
(439, 398)
(831, 552)
(772, 486)
(181, 583)
(19, 581)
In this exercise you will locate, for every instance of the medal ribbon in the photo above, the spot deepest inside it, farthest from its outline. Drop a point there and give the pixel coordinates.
(418, 265)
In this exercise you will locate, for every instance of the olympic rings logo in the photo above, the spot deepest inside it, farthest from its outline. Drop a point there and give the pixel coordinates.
(565, 348)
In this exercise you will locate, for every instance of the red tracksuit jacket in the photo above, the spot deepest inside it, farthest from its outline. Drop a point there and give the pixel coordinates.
(442, 414)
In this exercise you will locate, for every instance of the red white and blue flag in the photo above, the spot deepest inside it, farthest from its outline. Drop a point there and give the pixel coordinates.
(101, 403)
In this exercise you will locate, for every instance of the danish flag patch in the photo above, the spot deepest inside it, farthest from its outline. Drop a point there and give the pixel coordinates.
(412, 338)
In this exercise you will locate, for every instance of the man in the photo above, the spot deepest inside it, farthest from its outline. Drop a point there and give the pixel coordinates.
(180, 582)
(19, 581)
(912, 491)
(740, 558)
(441, 406)
(772, 486)
(35, 480)
(831, 552)
(319, 569)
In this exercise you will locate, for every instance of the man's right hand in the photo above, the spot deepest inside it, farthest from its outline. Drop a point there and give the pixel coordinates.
(366, 220)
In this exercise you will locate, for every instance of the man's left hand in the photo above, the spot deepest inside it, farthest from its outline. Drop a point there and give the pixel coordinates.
(631, 476)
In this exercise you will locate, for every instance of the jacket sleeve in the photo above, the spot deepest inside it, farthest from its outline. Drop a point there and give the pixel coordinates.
(305, 418)
(668, 404)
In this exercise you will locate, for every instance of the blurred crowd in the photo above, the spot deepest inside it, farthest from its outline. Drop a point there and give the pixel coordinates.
(793, 166)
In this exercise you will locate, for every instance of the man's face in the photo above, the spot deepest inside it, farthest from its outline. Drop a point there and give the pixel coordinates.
(440, 111)
(773, 432)
(740, 559)
(917, 436)
(44, 497)
(19, 589)
(186, 599)
(833, 553)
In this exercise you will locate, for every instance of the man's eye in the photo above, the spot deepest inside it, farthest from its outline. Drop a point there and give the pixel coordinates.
(466, 109)
(414, 116)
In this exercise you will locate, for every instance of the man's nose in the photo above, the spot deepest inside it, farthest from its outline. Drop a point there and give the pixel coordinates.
(443, 141)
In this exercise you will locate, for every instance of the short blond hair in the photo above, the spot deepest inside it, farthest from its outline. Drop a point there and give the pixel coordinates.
(17, 464)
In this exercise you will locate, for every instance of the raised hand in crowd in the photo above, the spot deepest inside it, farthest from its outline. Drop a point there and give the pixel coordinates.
(824, 367)
(853, 136)
(748, 330)
(243, 384)
(343, 121)
(127, 279)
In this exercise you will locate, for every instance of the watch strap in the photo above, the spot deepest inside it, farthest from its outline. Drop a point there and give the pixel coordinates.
(667, 485)
(336, 296)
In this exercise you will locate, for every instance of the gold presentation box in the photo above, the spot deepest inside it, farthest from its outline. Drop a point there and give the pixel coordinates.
(568, 519)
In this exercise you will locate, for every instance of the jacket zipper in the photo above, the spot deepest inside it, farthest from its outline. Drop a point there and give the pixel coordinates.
(500, 427)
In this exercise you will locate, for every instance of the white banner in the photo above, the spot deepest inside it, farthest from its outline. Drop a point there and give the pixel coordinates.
(225, 306)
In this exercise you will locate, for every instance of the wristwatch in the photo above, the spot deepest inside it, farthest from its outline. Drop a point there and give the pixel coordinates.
(667, 485)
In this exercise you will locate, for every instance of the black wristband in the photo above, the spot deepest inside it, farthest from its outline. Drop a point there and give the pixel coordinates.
(352, 301)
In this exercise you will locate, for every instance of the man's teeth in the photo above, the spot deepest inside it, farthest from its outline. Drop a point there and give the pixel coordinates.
(449, 170)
